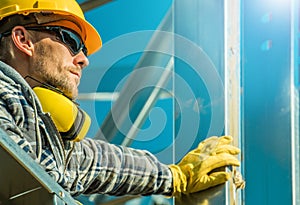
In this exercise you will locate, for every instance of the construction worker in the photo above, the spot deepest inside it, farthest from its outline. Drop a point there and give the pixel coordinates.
(43, 49)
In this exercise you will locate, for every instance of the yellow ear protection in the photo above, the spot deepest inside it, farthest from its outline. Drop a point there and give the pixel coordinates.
(71, 121)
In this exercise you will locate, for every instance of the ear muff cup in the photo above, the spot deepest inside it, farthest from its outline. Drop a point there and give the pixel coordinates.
(71, 121)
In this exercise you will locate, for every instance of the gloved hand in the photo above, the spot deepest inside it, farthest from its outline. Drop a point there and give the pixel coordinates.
(195, 172)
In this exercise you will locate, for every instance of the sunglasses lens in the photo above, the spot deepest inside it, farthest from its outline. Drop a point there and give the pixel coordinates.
(73, 41)
(84, 50)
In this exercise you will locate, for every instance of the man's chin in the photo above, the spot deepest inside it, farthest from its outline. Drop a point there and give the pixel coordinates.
(72, 94)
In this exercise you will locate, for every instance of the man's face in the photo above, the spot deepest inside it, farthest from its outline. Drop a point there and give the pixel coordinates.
(53, 63)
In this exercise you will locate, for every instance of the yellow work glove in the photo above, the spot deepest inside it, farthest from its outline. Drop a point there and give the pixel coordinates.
(196, 171)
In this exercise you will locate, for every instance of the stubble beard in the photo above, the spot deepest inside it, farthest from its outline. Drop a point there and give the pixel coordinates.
(55, 77)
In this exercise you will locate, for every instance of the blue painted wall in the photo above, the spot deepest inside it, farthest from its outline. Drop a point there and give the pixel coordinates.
(266, 80)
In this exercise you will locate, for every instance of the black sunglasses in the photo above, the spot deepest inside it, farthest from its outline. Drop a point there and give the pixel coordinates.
(69, 38)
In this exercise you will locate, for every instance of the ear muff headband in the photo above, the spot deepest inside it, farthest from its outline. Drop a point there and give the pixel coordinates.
(71, 121)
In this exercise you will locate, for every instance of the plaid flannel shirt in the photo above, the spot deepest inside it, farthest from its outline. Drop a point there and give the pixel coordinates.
(89, 166)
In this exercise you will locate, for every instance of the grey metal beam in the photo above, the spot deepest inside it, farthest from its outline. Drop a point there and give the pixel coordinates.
(91, 4)
(23, 181)
(142, 89)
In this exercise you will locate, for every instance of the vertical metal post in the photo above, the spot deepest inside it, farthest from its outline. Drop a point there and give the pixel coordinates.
(214, 27)
(295, 85)
(232, 80)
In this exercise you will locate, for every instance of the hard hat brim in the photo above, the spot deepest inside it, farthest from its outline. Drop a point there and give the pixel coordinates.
(89, 34)
(92, 39)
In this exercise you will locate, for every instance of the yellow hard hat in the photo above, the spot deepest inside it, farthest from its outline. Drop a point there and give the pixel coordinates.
(90, 36)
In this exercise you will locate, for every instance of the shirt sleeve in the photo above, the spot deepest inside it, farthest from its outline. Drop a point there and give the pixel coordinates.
(89, 166)
(117, 170)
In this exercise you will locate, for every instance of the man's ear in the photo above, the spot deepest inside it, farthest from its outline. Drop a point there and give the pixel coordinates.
(22, 40)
